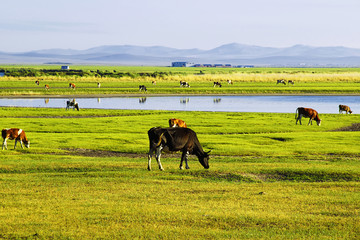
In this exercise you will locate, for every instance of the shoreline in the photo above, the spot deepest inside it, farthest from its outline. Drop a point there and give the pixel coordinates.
(164, 95)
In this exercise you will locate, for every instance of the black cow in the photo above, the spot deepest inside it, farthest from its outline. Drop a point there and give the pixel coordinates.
(217, 84)
(142, 88)
(281, 81)
(176, 139)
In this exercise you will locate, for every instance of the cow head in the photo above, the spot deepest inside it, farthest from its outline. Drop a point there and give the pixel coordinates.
(204, 159)
(27, 143)
(318, 122)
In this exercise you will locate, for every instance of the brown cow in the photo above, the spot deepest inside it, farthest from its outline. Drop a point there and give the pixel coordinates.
(174, 122)
(47, 87)
(308, 113)
(72, 85)
(344, 108)
(14, 133)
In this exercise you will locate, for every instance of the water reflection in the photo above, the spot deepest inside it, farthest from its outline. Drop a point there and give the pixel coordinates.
(217, 100)
(142, 100)
(284, 104)
(184, 100)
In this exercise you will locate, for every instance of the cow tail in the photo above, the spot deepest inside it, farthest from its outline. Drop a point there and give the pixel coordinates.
(158, 144)
(296, 113)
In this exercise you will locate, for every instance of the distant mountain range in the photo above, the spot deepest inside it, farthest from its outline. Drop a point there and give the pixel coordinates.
(234, 53)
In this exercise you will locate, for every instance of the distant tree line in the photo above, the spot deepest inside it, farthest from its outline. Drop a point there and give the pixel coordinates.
(29, 72)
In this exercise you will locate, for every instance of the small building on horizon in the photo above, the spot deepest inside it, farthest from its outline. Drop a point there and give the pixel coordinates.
(65, 67)
(181, 64)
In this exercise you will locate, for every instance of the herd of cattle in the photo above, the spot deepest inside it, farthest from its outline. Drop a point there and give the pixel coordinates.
(71, 85)
(176, 137)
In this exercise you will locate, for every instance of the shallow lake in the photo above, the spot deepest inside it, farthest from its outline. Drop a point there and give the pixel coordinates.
(276, 104)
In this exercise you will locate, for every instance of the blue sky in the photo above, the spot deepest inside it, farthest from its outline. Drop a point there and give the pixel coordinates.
(72, 24)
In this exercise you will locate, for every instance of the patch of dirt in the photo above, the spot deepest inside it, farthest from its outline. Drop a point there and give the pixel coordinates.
(100, 153)
(103, 153)
(353, 127)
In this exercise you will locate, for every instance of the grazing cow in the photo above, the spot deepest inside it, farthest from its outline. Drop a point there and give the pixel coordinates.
(308, 113)
(14, 133)
(98, 84)
(229, 81)
(72, 85)
(291, 82)
(142, 88)
(47, 87)
(176, 139)
(73, 104)
(217, 84)
(174, 122)
(281, 81)
(154, 82)
(344, 108)
(184, 84)
(37, 82)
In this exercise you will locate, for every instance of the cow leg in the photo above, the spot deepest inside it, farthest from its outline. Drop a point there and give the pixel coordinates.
(4, 144)
(184, 156)
(186, 160)
(298, 119)
(310, 122)
(21, 144)
(149, 158)
(158, 154)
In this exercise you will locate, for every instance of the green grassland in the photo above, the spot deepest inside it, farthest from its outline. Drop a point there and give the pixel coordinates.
(126, 80)
(85, 177)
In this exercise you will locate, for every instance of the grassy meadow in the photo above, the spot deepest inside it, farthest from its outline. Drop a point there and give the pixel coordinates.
(84, 177)
(85, 174)
(245, 81)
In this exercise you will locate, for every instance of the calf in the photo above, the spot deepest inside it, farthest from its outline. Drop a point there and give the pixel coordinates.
(47, 87)
(291, 82)
(37, 82)
(308, 113)
(142, 88)
(174, 122)
(98, 85)
(344, 108)
(176, 139)
(229, 82)
(14, 133)
(217, 84)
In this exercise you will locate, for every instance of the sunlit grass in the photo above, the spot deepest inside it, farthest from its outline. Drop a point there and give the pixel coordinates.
(86, 178)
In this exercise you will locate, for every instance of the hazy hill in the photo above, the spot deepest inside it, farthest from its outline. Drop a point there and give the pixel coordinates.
(234, 53)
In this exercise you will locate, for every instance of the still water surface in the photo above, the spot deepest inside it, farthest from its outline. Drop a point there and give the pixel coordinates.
(280, 104)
